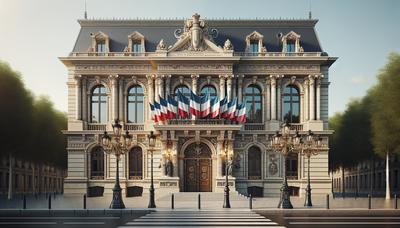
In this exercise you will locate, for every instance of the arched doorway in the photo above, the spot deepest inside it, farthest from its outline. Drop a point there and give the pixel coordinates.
(197, 166)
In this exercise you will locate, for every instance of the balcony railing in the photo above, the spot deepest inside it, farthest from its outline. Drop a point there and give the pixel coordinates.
(278, 54)
(133, 127)
(254, 127)
(198, 121)
(134, 54)
(96, 127)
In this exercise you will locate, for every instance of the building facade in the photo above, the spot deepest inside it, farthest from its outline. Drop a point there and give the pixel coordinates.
(117, 67)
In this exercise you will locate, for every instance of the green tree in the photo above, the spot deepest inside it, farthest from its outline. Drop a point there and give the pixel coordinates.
(385, 112)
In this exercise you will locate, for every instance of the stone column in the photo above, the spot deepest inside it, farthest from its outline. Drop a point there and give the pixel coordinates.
(306, 99)
(229, 87)
(121, 100)
(161, 86)
(240, 87)
(167, 86)
(157, 88)
(175, 157)
(195, 77)
(267, 99)
(312, 98)
(279, 97)
(84, 100)
(318, 96)
(163, 158)
(114, 96)
(221, 87)
(78, 96)
(150, 88)
(234, 93)
(273, 97)
(219, 157)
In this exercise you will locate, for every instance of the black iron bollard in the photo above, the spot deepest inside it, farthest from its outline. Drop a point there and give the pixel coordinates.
(327, 201)
(251, 202)
(172, 201)
(49, 202)
(24, 202)
(395, 201)
(199, 204)
(84, 201)
(369, 201)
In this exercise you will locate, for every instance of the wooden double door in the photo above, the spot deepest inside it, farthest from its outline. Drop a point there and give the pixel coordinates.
(198, 168)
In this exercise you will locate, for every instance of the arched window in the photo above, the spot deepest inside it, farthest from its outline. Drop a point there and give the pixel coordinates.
(254, 163)
(135, 104)
(98, 101)
(97, 163)
(185, 91)
(135, 163)
(210, 90)
(291, 104)
(253, 104)
(291, 166)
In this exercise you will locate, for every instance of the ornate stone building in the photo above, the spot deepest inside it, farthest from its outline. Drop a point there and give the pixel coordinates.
(277, 67)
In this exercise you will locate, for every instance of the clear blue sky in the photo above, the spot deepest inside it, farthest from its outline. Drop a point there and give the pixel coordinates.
(360, 32)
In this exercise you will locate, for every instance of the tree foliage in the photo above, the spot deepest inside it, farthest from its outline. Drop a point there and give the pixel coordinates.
(30, 128)
(386, 108)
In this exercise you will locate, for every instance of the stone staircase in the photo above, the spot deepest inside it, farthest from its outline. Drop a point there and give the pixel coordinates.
(202, 218)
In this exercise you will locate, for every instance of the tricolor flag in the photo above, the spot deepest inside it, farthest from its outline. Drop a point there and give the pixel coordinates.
(183, 105)
(199, 105)
(172, 107)
(230, 114)
(157, 109)
(153, 113)
(214, 110)
(163, 108)
(240, 113)
(206, 106)
(223, 104)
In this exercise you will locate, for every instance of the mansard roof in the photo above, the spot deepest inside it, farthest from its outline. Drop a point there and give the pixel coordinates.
(234, 30)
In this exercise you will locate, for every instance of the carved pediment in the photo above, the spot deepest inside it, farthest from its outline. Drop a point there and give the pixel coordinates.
(195, 37)
(291, 36)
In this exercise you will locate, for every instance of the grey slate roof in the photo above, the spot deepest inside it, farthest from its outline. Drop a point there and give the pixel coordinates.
(234, 30)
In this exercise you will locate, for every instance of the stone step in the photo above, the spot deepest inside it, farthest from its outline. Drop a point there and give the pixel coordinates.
(202, 219)
(201, 223)
(200, 226)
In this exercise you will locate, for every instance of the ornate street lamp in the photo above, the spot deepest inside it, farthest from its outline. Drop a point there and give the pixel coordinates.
(152, 143)
(311, 146)
(228, 164)
(285, 143)
(117, 145)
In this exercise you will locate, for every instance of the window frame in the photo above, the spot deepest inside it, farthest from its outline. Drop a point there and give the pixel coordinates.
(99, 101)
(131, 163)
(135, 102)
(252, 118)
(254, 164)
(97, 156)
(291, 102)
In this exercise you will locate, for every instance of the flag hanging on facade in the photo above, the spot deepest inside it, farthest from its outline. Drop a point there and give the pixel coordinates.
(183, 105)
(153, 113)
(163, 108)
(172, 107)
(199, 105)
(230, 113)
(223, 107)
(240, 113)
(214, 107)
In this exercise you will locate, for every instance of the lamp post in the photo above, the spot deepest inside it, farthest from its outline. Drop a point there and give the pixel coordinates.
(118, 145)
(285, 143)
(152, 142)
(309, 147)
(228, 163)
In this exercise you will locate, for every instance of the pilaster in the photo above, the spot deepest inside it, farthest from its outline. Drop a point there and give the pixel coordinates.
(221, 87)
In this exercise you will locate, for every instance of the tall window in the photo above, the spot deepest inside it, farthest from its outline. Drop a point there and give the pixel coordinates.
(135, 163)
(101, 46)
(291, 104)
(291, 166)
(254, 46)
(99, 105)
(210, 90)
(137, 48)
(253, 104)
(254, 163)
(290, 46)
(97, 163)
(135, 104)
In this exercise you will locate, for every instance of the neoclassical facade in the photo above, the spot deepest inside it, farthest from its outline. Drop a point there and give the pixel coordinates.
(117, 67)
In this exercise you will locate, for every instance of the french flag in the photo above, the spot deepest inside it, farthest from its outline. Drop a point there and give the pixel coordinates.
(198, 105)
(157, 109)
(214, 109)
(183, 105)
(206, 106)
(223, 107)
(153, 113)
(172, 107)
(230, 114)
(240, 113)
(164, 108)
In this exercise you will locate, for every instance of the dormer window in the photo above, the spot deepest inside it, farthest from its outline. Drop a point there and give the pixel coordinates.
(254, 43)
(100, 43)
(291, 42)
(136, 43)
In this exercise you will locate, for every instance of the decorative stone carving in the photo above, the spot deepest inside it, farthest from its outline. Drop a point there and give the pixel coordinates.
(228, 45)
(161, 45)
(273, 166)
